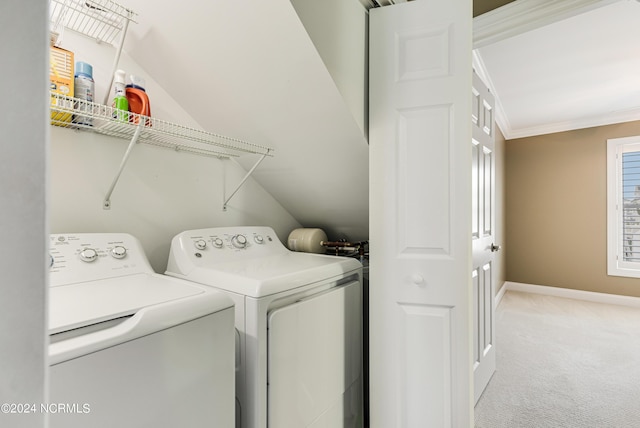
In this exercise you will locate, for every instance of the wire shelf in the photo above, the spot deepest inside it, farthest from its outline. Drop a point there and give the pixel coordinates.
(102, 20)
(80, 114)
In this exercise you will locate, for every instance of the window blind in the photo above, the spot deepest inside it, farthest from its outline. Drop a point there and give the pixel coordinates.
(631, 206)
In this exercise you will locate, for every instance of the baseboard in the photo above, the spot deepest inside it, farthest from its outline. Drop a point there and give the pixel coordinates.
(500, 294)
(590, 296)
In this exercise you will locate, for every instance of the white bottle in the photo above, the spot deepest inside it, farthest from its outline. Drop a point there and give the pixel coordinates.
(120, 97)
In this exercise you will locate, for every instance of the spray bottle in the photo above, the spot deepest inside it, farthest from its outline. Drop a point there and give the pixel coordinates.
(120, 103)
(84, 90)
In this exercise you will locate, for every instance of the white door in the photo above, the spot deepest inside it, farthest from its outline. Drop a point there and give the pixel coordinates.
(420, 215)
(482, 234)
(315, 361)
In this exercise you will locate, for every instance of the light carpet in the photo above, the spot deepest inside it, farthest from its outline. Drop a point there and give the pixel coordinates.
(563, 363)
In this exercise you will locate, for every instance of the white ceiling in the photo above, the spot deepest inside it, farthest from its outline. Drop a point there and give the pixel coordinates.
(576, 72)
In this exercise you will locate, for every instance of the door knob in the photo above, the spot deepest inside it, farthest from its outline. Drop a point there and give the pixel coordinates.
(417, 279)
(494, 247)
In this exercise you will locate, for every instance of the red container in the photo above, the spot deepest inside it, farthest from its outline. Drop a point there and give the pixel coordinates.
(138, 103)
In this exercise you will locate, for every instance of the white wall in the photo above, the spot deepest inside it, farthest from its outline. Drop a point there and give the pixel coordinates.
(161, 192)
(249, 69)
(339, 31)
(23, 141)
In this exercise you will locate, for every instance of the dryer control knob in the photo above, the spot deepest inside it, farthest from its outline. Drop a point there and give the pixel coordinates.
(239, 241)
(259, 239)
(200, 244)
(88, 255)
(218, 243)
(118, 252)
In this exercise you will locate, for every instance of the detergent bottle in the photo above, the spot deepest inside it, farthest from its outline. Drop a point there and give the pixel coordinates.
(138, 99)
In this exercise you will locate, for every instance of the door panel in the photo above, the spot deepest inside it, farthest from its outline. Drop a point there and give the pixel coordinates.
(423, 211)
(483, 181)
(426, 376)
(420, 215)
(315, 361)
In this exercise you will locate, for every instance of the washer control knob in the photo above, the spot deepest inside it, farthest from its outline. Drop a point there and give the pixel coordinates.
(239, 241)
(259, 239)
(118, 252)
(200, 244)
(88, 255)
(218, 243)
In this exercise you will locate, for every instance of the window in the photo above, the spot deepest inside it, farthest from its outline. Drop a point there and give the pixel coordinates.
(623, 206)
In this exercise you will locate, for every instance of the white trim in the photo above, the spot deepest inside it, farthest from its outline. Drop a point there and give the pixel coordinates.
(589, 296)
(616, 265)
(500, 294)
(590, 122)
(525, 15)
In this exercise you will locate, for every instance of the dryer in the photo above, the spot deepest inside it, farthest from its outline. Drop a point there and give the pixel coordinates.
(130, 347)
(298, 321)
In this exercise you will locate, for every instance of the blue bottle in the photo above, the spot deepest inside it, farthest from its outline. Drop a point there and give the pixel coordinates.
(84, 90)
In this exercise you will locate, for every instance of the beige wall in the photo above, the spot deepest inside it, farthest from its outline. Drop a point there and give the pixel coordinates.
(483, 6)
(556, 210)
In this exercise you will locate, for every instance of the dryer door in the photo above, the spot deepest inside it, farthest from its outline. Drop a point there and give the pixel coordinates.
(315, 361)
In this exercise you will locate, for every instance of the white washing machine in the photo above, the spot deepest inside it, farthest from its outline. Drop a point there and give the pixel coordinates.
(132, 348)
(298, 320)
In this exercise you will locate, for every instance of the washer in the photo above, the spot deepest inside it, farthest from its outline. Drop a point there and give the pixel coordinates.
(298, 321)
(129, 347)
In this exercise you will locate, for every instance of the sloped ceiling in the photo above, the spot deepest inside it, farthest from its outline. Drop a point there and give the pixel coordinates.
(248, 70)
(576, 72)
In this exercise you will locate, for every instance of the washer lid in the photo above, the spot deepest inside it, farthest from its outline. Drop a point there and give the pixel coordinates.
(263, 276)
(79, 305)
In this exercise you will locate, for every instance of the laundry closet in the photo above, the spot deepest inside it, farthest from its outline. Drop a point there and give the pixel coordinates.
(236, 122)
(267, 74)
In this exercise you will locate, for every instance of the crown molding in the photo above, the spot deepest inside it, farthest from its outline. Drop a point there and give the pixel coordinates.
(589, 122)
(525, 15)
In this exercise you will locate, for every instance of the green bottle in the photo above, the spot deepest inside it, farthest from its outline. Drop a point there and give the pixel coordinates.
(120, 103)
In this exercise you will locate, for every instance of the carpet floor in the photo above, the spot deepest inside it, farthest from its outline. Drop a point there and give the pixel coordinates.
(563, 363)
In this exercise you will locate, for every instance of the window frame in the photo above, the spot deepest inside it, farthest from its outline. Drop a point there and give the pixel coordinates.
(616, 266)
